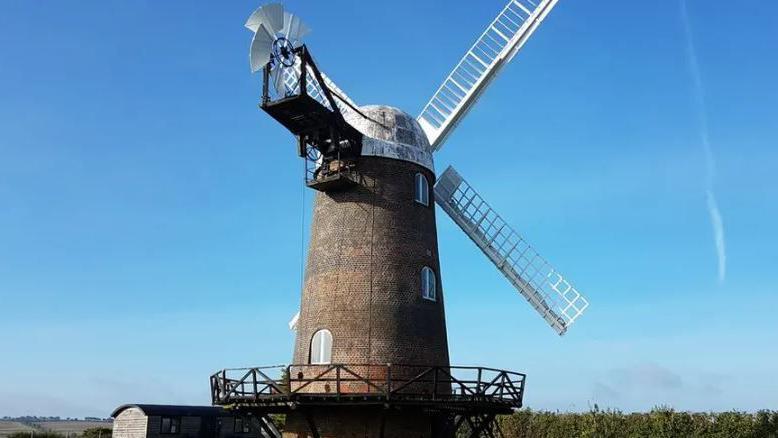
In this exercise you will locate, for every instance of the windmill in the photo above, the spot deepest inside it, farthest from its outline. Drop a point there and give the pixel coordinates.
(371, 351)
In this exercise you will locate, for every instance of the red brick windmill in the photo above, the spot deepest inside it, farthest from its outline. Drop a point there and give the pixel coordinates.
(371, 353)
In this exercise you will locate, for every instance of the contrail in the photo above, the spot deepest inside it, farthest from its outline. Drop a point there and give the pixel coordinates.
(710, 163)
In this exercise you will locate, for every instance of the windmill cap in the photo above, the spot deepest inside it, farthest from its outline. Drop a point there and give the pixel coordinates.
(391, 133)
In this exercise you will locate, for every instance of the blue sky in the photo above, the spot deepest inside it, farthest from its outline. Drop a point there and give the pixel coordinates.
(150, 214)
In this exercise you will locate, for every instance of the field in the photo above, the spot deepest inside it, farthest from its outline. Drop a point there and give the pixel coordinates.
(9, 427)
(72, 427)
(63, 427)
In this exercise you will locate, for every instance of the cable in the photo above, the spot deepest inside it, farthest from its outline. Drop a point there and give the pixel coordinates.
(370, 307)
(341, 98)
(302, 231)
(344, 100)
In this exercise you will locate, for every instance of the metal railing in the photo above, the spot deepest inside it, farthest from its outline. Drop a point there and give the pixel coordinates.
(368, 382)
(302, 78)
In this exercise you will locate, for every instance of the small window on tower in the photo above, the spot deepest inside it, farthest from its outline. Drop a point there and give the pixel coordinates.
(242, 425)
(422, 190)
(321, 347)
(170, 425)
(428, 291)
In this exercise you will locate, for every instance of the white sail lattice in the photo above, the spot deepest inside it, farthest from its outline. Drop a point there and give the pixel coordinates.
(557, 301)
(499, 43)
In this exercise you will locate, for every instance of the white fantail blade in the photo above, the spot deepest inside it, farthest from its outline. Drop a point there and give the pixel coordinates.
(261, 48)
(557, 301)
(501, 40)
(271, 15)
(253, 22)
(294, 29)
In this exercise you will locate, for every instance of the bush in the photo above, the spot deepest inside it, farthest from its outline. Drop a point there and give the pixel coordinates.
(659, 423)
(97, 432)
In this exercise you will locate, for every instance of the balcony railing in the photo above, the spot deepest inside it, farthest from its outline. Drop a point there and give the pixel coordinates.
(368, 383)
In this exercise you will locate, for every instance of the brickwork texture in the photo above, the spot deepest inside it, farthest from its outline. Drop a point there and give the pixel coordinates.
(363, 276)
(363, 283)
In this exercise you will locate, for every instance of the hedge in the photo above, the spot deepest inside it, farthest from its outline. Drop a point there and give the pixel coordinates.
(659, 423)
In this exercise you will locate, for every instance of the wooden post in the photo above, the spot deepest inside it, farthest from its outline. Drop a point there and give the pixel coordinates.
(388, 380)
(337, 382)
(254, 375)
(435, 383)
(265, 84)
(303, 71)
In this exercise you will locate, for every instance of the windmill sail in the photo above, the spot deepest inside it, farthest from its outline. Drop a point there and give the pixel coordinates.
(499, 43)
(557, 301)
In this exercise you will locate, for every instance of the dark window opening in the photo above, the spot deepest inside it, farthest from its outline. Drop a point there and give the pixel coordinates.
(422, 189)
(428, 289)
(242, 425)
(170, 425)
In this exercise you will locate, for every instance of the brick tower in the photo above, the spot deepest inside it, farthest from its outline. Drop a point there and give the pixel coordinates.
(372, 282)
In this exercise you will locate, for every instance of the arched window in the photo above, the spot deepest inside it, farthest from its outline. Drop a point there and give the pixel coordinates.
(321, 347)
(428, 290)
(422, 195)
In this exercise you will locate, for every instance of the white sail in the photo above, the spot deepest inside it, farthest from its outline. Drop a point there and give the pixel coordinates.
(557, 301)
(499, 43)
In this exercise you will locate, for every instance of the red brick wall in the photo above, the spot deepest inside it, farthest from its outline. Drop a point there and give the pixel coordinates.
(363, 275)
